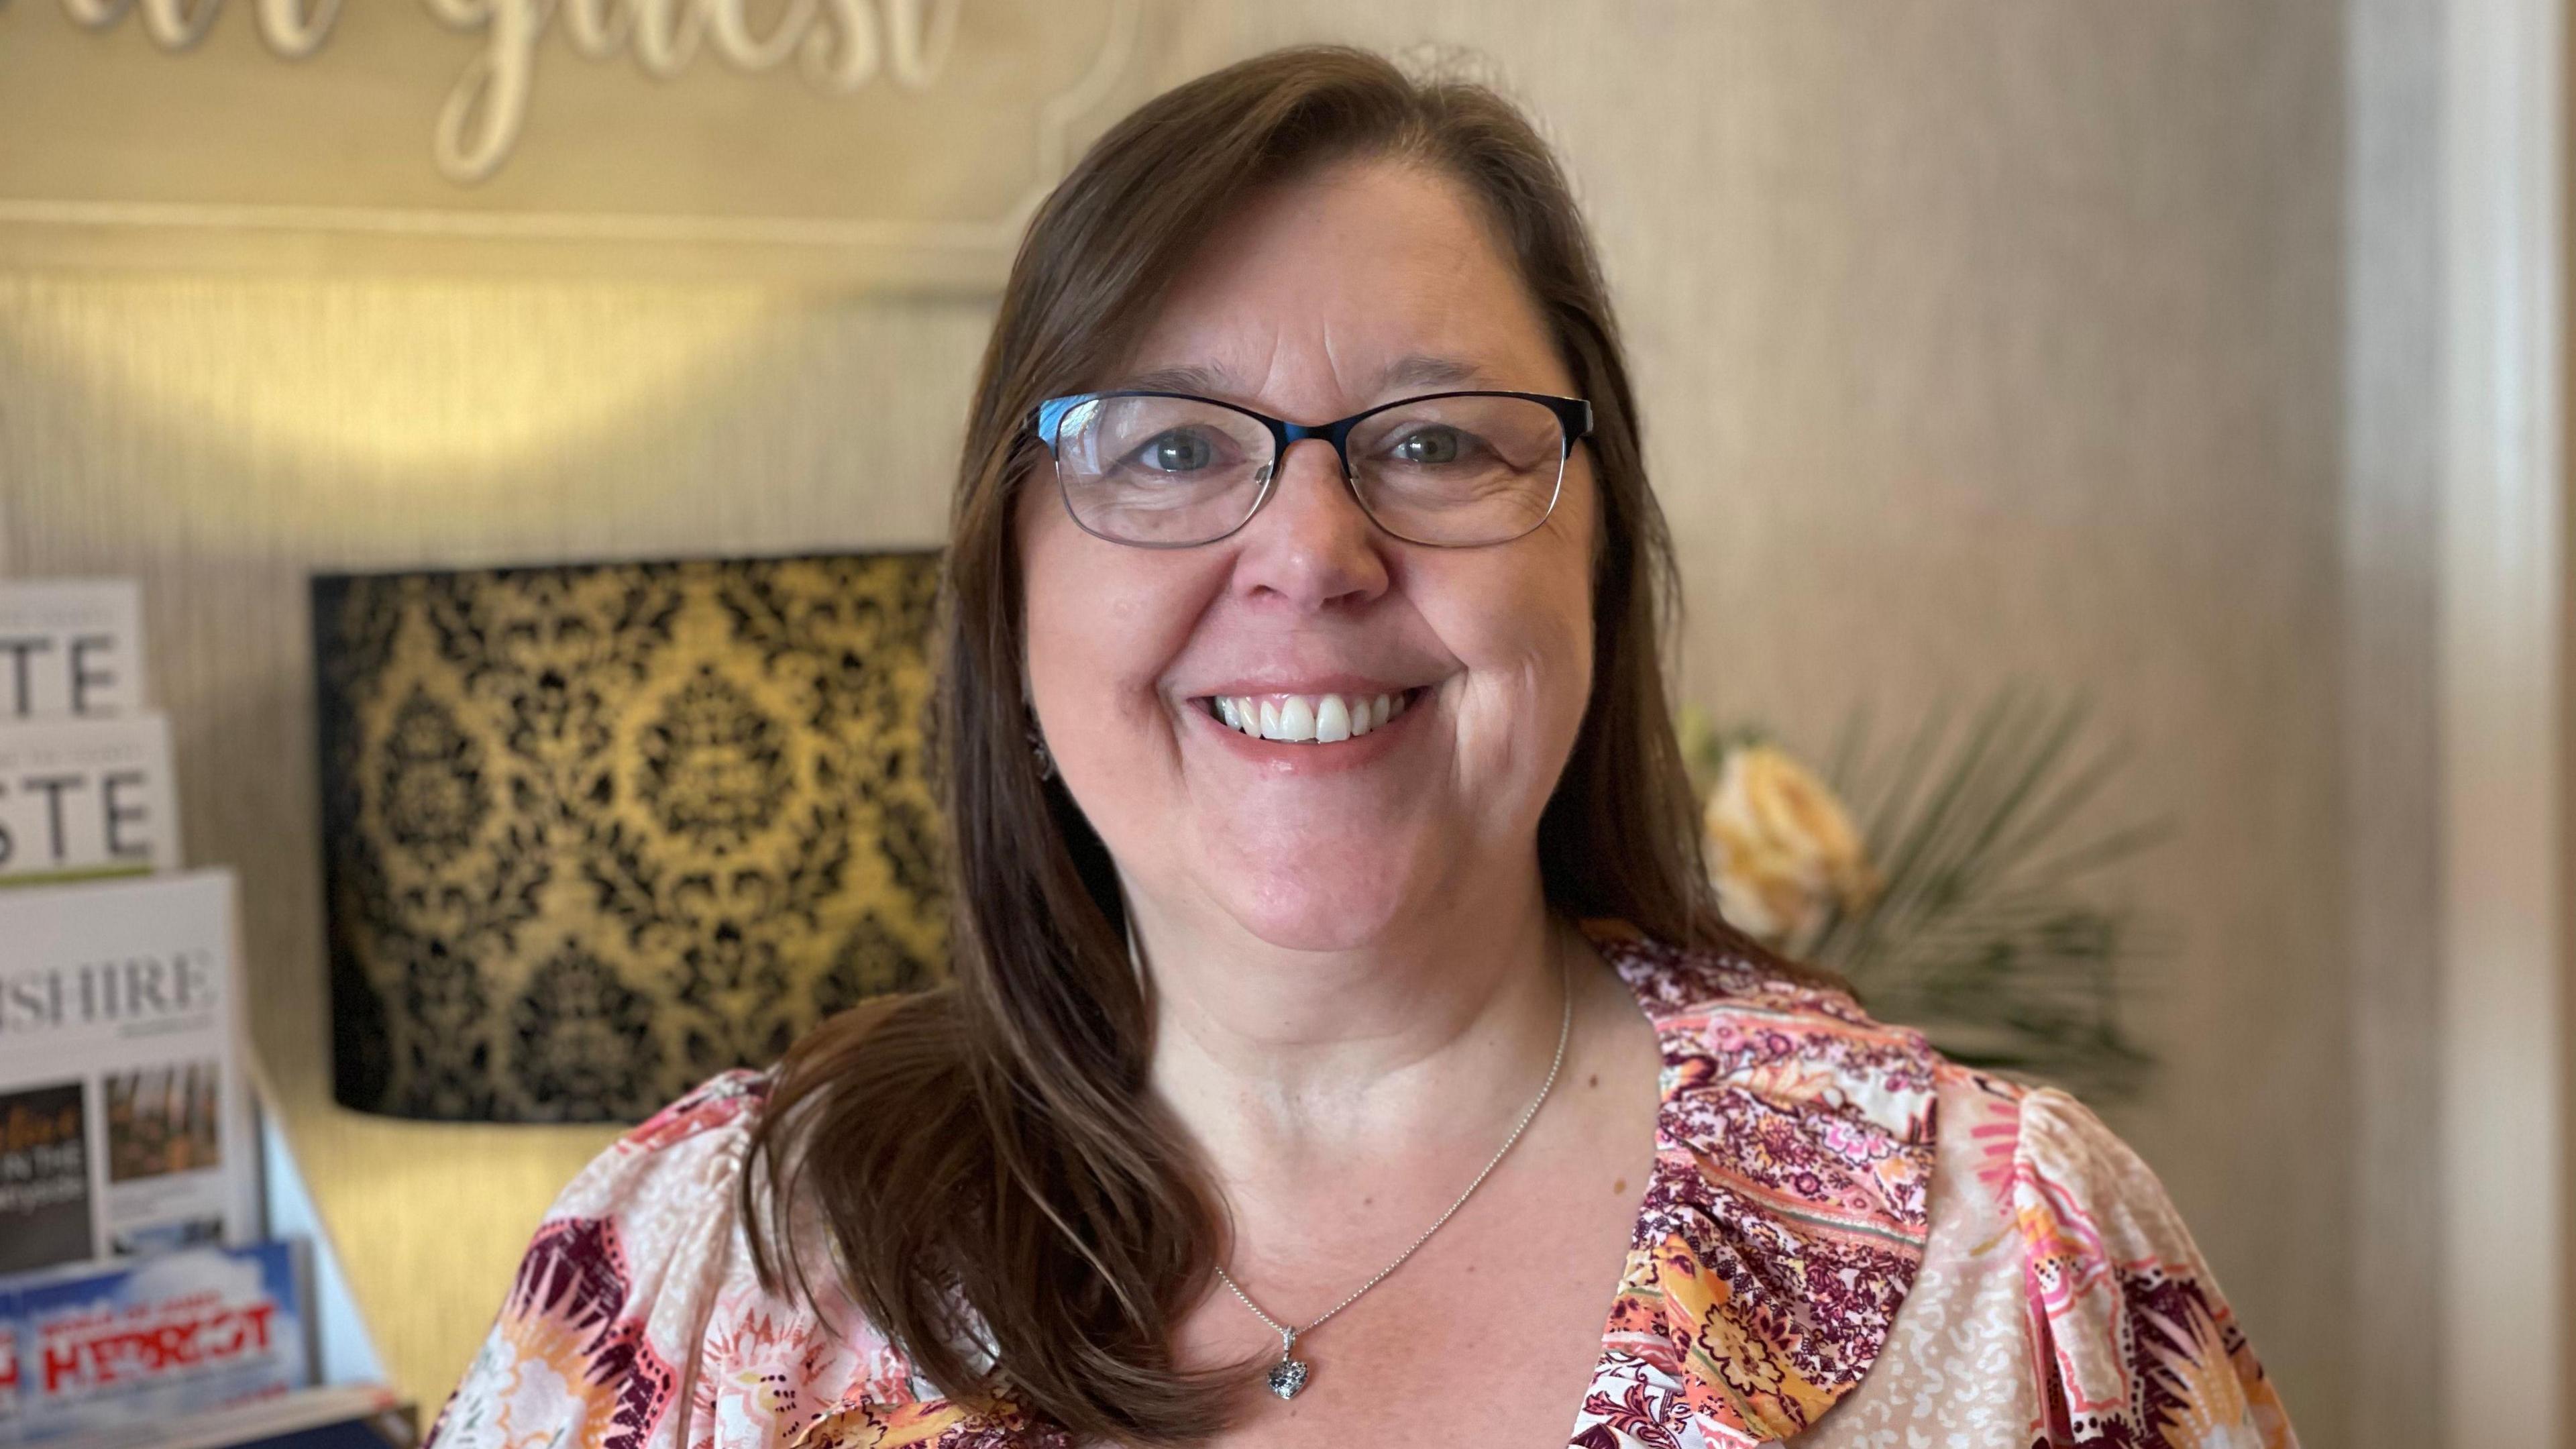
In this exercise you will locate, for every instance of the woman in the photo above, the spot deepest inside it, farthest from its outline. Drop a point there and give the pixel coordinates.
(1344, 1046)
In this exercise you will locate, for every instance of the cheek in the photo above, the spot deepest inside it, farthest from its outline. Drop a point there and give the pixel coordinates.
(1555, 641)
(1101, 624)
(1063, 630)
(1544, 621)
(1522, 626)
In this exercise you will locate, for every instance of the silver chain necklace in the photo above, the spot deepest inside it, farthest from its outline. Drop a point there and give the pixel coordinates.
(1291, 1372)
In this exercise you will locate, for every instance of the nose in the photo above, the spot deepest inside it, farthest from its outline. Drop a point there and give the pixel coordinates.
(1311, 545)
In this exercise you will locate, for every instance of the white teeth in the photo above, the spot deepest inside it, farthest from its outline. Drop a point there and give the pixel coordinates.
(1332, 720)
(1307, 718)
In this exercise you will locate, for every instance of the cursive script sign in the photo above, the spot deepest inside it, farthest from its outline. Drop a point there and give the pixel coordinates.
(841, 46)
(850, 141)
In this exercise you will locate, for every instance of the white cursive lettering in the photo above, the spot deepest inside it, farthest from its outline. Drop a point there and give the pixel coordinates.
(292, 31)
(840, 45)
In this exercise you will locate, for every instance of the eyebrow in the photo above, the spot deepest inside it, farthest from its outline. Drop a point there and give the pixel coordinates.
(1414, 370)
(1424, 370)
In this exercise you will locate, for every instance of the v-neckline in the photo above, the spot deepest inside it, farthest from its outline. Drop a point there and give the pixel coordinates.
(1756, 1074)
(1604, 1363)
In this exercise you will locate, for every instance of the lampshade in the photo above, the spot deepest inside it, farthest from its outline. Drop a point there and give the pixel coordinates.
(594, 832)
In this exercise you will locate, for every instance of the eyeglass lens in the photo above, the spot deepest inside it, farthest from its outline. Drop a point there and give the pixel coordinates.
(1167, 471)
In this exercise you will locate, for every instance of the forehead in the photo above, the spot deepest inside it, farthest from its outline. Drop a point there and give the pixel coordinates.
(1338, 289)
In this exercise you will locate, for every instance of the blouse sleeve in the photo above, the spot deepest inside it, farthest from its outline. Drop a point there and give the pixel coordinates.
(2131, 1341)
(635, 1318)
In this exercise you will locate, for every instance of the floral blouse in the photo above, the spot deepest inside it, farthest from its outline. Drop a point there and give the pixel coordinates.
(1847, 1241)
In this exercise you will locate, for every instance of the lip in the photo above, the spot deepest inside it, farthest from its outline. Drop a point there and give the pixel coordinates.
(1303, 757)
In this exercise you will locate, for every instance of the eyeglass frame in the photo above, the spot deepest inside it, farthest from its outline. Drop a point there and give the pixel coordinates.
(1573, 420)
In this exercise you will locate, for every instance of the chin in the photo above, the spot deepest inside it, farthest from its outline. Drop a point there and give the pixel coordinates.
(1338, 909)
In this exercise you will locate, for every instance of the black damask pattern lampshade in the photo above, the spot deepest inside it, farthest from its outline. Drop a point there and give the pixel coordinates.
(594, 832)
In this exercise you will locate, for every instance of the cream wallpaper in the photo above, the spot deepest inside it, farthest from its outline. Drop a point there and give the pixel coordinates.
(1977, 342)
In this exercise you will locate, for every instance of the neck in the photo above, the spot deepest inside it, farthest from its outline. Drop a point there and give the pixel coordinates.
(1411, 1048)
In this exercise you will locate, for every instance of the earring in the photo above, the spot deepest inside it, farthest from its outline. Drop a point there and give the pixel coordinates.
(1037, 747)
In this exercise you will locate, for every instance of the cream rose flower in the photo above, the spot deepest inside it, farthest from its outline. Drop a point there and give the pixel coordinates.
(1782, 849)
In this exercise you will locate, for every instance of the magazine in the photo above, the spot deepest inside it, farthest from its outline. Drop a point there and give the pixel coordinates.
(70, 647)
(155, 1344)
(124, 1126)
(369, 1416)
(86, 798)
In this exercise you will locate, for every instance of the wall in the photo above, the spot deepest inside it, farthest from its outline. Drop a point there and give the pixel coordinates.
(1976, 342)
(2392, 734)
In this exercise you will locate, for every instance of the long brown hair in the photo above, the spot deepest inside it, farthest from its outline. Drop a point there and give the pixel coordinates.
(987, 1155)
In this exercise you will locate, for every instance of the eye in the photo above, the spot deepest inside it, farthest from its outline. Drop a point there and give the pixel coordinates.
(1429, 447)
(1181, 450)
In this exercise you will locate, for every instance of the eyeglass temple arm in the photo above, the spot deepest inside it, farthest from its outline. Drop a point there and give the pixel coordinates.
(1574, 414)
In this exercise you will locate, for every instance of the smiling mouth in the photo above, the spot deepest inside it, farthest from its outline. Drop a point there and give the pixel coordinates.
(1312, 719)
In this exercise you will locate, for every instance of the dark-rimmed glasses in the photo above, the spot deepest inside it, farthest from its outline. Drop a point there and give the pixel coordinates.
(1173, 470)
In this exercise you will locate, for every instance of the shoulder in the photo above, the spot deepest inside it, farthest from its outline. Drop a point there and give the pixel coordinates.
(1809, 1143)
(2051, 1233)
(2130, 1329)
(636, 1305)
(672, 1157)
(1727, 1020)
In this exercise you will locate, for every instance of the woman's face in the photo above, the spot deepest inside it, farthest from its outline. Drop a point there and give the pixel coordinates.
(1365, 283)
